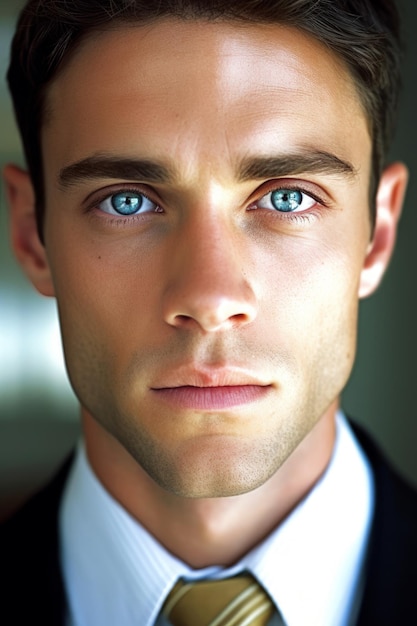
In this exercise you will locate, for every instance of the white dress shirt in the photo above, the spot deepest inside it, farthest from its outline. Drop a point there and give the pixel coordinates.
(115, 572)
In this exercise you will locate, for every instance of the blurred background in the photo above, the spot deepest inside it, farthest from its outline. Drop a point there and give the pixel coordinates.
(38, 413)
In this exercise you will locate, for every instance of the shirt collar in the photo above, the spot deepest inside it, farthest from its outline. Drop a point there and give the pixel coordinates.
(311, 564)
(116, 572)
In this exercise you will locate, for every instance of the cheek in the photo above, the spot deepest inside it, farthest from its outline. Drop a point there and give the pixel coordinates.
(107, 283)
(309, 278)
(310, 307)
(103, 299)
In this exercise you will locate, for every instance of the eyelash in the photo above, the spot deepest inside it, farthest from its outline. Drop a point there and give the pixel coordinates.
(306, 216)
(116, 220)
(285, 216)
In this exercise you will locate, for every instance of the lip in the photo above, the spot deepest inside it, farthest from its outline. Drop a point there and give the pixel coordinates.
(198, 375)
(211, 398)
(205, 388)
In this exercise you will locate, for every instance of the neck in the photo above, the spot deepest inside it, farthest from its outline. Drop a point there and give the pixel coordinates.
(210, 531)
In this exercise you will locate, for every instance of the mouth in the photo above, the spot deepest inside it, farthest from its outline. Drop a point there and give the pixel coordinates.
(210, 389)
(211, 398)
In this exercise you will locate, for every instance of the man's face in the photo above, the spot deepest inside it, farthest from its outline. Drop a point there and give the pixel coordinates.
(207, 289)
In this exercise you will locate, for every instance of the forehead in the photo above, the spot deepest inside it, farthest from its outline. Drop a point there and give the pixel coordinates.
(185, 85)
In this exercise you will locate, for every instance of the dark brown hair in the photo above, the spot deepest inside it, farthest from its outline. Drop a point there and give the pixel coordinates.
(365, 34)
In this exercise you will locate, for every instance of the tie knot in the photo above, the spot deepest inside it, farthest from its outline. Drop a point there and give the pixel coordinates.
(237, 601)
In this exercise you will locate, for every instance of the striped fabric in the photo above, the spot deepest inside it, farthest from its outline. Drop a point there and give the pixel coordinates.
(238, 601)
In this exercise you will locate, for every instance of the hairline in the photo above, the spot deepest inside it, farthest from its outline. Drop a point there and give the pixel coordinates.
(119, 23)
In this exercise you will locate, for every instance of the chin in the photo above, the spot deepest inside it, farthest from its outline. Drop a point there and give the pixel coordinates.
(215, 468)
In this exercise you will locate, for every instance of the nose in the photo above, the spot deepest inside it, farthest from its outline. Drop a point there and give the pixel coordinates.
(208, 287)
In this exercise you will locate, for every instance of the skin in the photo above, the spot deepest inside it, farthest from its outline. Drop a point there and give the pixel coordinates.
(211, 287)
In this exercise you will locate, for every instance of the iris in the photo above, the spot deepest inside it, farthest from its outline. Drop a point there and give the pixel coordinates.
(126, 203)
(286, 200)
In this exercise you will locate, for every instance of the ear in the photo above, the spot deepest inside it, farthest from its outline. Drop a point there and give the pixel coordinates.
(26, 244)
(389, 201)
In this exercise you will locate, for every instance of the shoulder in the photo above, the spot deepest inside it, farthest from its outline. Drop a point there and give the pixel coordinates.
(391, 576)
(29, 545)
(396, 499)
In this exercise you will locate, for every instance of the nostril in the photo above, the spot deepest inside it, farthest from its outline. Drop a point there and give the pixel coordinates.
(208, 321)
(239, 318)
(183, 319)
(211, 304)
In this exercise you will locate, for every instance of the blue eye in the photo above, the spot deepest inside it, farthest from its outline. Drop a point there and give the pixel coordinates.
(126, 203)
(286, 201)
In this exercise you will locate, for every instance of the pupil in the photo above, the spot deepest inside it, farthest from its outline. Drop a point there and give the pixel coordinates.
(126, 204)
(286, 200)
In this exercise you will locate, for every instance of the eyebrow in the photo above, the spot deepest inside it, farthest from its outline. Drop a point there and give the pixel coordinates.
(103, 166)
(310, 162)
(250, 168)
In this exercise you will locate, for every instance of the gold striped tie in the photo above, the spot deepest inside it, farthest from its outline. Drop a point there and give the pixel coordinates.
(238, 601)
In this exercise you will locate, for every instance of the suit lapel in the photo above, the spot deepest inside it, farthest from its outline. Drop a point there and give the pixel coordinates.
(29, 548)
(30, 556)
(390, 591)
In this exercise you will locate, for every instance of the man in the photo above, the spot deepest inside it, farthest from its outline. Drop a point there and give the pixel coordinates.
(207, 199)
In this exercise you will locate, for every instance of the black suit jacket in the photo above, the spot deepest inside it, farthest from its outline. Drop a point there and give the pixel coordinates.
(32, 589)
